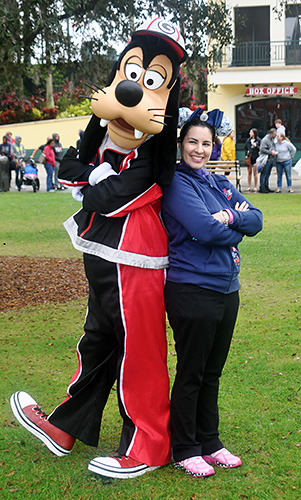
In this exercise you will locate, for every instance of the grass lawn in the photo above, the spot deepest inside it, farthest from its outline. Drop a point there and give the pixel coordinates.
(260, 388)
(32, 224)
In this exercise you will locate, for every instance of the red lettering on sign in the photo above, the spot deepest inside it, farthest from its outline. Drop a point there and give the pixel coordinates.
(267, 91)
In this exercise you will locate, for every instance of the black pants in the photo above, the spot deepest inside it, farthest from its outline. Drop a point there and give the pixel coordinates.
(203, 322)
(99, 352)
(125, 339)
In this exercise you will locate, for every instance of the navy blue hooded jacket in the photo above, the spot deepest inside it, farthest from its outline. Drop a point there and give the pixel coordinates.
(202, 250)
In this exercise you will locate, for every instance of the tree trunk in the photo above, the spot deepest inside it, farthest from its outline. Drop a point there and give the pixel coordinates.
(49, 85)
(196, 91)
(49, 90)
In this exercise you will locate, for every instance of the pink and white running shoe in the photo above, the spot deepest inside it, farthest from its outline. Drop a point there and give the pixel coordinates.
(223, 458)
(196, 466)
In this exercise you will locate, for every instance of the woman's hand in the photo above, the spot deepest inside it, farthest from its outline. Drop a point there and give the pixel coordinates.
(243, 207)
(220, 216)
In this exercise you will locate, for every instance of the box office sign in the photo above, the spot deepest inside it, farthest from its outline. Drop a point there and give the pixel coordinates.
(271, 91)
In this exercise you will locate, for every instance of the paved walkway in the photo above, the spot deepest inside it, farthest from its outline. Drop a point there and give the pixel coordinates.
(296, 181)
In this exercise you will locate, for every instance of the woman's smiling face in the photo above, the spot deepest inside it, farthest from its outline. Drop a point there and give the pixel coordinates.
(196, 147)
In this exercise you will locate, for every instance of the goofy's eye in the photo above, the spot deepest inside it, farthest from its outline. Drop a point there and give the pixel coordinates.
(153, 80)
(133, 72)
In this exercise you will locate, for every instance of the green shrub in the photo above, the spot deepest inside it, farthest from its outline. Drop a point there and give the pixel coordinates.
(81, 109)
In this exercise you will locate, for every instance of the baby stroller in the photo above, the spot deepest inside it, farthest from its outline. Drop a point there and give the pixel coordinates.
(29, 175)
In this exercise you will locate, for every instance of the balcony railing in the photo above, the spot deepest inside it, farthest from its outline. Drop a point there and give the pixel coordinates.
(286, 53)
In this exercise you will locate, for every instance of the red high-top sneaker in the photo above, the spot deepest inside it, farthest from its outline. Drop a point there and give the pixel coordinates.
(30, 415)
(120, 467)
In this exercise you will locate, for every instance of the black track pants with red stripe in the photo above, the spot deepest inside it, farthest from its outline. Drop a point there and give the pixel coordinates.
(124, 339)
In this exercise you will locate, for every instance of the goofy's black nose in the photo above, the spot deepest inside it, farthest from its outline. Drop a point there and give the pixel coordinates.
(128, 93)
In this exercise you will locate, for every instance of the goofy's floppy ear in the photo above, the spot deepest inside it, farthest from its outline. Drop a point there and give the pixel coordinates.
(165, 154)
(94, 133)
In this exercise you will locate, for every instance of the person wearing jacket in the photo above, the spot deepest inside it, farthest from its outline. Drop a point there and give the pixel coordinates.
(50, 164)
(58, 153)
(5, 150)
(80, 134)
(18, 152)
(280, 128)
(206, 218)
(286, 151)
(267, 147)
(5, 147)
(228, 148)
(216, 150)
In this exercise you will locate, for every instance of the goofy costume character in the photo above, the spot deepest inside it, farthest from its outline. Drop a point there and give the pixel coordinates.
(127, 152)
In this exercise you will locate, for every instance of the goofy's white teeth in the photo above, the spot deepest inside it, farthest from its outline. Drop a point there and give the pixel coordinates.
(103, 122)
(138, 134)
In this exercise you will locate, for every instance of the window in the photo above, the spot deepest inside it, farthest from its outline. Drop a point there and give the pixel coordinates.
(252, 32)
(262, 114)
(293, 34)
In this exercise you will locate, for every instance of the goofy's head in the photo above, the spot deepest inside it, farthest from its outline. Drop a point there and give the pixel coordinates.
(141, 98)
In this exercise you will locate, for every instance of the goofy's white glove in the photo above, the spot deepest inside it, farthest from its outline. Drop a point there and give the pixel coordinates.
(97, 175)
(100, 173)
(77, 194)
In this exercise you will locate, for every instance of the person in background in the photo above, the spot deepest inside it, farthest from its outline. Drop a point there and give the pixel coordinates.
(216, 150)
(5, 150)
(267, 147)
(228, 151)
(80, 133)
(59, 153)
(286, 151)
(252, 146)
(206, 218)
(18, 152)
(40, 148)
(10, 138)
(280, 128)
(50, 164)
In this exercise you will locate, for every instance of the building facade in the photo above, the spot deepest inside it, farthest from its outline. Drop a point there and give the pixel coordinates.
(259, 76)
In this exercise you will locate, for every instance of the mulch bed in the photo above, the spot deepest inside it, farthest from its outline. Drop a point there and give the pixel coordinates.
(31, 281)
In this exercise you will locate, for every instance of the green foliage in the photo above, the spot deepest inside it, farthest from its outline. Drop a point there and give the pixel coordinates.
(185, 90)
(69, 99)
(46, 25)
(69, 95)
(259, 391)
(37, 114)
(14, 108)
(81, 109)
(199, 21)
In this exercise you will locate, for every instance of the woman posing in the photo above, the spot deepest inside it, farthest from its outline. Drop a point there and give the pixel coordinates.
(206, 218)
(50, 164)
(286, 151)
(252, 146)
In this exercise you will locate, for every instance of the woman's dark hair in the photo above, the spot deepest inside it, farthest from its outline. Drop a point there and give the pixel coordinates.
(255, 132)
(50, 140)
(195, 123)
